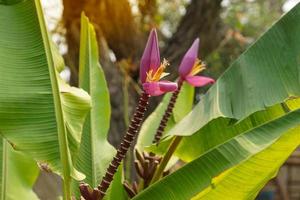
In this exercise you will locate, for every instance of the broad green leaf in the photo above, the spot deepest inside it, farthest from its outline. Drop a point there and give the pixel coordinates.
(40, 115)
(217, 132)
(183, 106)
(75, 105)
(253, 174)
(95, 152)
(265, 75)
(257, 80)
(18, 174)
(198, 174)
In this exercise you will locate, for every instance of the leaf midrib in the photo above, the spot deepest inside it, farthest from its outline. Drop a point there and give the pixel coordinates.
(4, 169)
(253, 128)
(94, 173)
(61, 129)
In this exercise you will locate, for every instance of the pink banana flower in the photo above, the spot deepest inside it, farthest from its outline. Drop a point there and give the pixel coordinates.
(191, 65)
(152, 70)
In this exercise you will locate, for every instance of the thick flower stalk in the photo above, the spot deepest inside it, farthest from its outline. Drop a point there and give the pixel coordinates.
(151, 71)
(189, 67)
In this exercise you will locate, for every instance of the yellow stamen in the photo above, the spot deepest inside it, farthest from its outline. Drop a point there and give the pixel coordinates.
(198, 67)
(156, 76)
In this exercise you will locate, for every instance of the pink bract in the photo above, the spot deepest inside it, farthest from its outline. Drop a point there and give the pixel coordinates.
(151, 56)
(159, 88)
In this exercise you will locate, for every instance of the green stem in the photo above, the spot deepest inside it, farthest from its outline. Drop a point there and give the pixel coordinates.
(173, 146)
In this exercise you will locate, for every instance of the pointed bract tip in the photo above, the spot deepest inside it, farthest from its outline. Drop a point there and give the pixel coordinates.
(193, 50)
(189, 59)
(153, 32)
(151, 56)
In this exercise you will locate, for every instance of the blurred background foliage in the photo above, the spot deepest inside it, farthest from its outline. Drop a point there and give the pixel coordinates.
(245, 20)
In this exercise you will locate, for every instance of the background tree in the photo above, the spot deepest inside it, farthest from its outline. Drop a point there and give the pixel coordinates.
(122, 34)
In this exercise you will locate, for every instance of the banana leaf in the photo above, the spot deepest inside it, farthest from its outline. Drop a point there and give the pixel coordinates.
(252, 174)
(201, 173)
(241, 117)
(95, 152)
(40, 115)
(18, 174)
(264, 76)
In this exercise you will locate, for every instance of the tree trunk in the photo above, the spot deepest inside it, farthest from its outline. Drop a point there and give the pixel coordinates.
(202, 19)
(117, 31)
(113, 21)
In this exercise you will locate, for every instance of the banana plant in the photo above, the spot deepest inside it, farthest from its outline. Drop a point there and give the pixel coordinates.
(240, 133)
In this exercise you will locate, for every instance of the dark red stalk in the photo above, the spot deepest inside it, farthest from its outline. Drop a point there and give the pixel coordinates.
(125, 144)
(88, 193)
(168, 113)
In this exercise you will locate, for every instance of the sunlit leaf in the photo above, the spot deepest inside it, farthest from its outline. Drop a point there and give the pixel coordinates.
(252, 174)
(198, 174)
(40, 115)
(265, 75)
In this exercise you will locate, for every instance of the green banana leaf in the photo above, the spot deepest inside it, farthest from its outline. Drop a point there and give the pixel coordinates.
(95, 152)
(254, 173)
(265, 75)
(216, 132)
(197, 175)
(40, 115)
(18, 174)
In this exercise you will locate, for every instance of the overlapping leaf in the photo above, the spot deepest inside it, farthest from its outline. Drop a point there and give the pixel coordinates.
(18, 174)
(95, 152)
(39, 114)
(252, 174)
(265, 75)
(197, 175)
